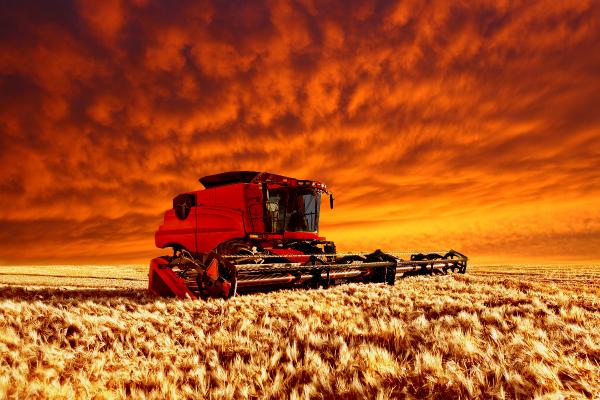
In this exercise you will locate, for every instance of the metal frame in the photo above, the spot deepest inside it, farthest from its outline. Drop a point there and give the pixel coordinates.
(295, 273)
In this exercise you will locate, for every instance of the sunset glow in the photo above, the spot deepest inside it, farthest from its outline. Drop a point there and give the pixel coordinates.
(436, 125)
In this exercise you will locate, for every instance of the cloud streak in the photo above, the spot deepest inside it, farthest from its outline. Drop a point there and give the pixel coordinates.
(418, 115)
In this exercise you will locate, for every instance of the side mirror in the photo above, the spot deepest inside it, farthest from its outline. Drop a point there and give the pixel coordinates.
(331, 200)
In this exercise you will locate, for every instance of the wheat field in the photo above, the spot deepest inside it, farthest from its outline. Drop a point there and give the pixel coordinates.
(496, 332)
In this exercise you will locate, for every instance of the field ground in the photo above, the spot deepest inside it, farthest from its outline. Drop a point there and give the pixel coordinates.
(496, 332)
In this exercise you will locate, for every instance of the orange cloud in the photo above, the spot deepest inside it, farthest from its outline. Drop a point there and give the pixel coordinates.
(471, 126)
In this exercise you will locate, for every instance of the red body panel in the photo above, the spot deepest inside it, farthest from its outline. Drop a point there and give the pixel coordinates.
(302, 235)
(162, 281)
(301, 260)
(215, 225)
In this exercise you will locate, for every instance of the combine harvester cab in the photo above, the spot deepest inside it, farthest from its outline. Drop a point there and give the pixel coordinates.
(255, 231)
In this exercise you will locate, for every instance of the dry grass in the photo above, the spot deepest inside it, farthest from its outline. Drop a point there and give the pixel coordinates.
(126, 276)
(487, 334)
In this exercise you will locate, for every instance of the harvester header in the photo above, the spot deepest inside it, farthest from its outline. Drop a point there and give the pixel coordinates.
(256, 231)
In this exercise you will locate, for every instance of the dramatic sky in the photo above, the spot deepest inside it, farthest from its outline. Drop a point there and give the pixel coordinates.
(473, 126)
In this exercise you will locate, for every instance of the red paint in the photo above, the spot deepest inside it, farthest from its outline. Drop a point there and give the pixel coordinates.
(301, 260)
(162, 281)
(213, 270)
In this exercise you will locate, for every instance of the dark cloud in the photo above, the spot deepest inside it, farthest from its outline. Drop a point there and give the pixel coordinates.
(414, 113)
(66, 239)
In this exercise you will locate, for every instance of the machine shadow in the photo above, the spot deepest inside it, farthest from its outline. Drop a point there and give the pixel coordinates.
(68, 295)
(97, 295)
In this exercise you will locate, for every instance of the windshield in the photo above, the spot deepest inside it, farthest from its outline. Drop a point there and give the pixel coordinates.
(293, 210)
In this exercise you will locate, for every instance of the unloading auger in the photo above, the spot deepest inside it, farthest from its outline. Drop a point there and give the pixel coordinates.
(255, 231)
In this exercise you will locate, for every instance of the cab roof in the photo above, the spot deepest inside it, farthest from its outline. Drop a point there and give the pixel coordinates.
(227, 178)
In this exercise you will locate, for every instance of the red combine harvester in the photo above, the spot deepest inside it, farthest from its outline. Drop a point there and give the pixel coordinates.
(257, 231)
